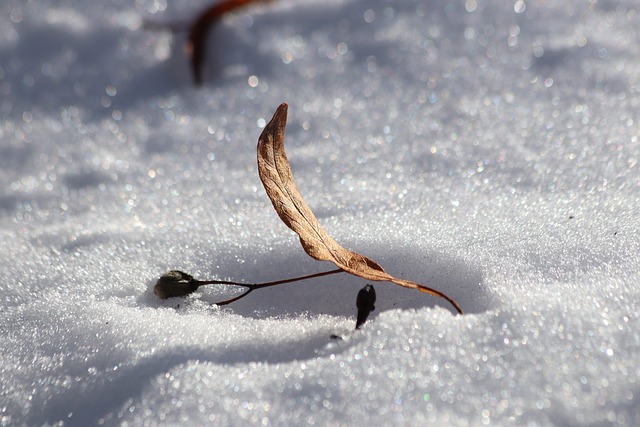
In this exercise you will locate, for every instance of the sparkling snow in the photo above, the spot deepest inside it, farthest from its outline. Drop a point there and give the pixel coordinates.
(488, 149)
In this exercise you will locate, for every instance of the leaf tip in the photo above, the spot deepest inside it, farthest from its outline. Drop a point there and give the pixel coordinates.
(276, 125)
(281, 111)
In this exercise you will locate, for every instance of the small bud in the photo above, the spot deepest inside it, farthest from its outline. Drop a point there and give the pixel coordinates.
(175, 283)
(365, 304)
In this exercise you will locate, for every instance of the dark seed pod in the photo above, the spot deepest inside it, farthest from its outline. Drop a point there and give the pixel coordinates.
(365, 304)
(175, 283)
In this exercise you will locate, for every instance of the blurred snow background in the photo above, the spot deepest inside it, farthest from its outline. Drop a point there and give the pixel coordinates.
(488, 149)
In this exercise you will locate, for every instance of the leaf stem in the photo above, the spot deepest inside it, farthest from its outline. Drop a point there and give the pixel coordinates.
(253, 286)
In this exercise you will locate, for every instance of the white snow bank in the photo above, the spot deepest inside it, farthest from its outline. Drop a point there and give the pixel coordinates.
(487, 149)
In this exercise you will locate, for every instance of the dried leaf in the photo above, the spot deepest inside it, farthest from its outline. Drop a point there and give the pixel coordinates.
(200, 28)
(277, 178)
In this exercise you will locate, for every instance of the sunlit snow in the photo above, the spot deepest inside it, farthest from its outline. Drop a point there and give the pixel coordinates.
(488, 149)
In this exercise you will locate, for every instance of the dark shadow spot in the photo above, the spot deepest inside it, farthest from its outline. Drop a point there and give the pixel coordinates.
(76, 243)
(85, 179)
(552, 58)
(8, 203)
(159, 143)
(15, 156)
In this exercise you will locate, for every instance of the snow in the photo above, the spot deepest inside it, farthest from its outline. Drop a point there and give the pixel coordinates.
(488, 149)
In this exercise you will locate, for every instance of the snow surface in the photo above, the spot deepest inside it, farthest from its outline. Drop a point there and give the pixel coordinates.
(488, 149)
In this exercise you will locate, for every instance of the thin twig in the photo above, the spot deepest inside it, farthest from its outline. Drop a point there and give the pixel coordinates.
(253, 286)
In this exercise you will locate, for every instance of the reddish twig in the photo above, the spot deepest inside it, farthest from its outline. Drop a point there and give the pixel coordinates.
(176, 283)
(200, 28)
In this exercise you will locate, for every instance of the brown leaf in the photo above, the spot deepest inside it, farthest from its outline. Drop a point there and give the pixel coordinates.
(277, 178)
(200, 28)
